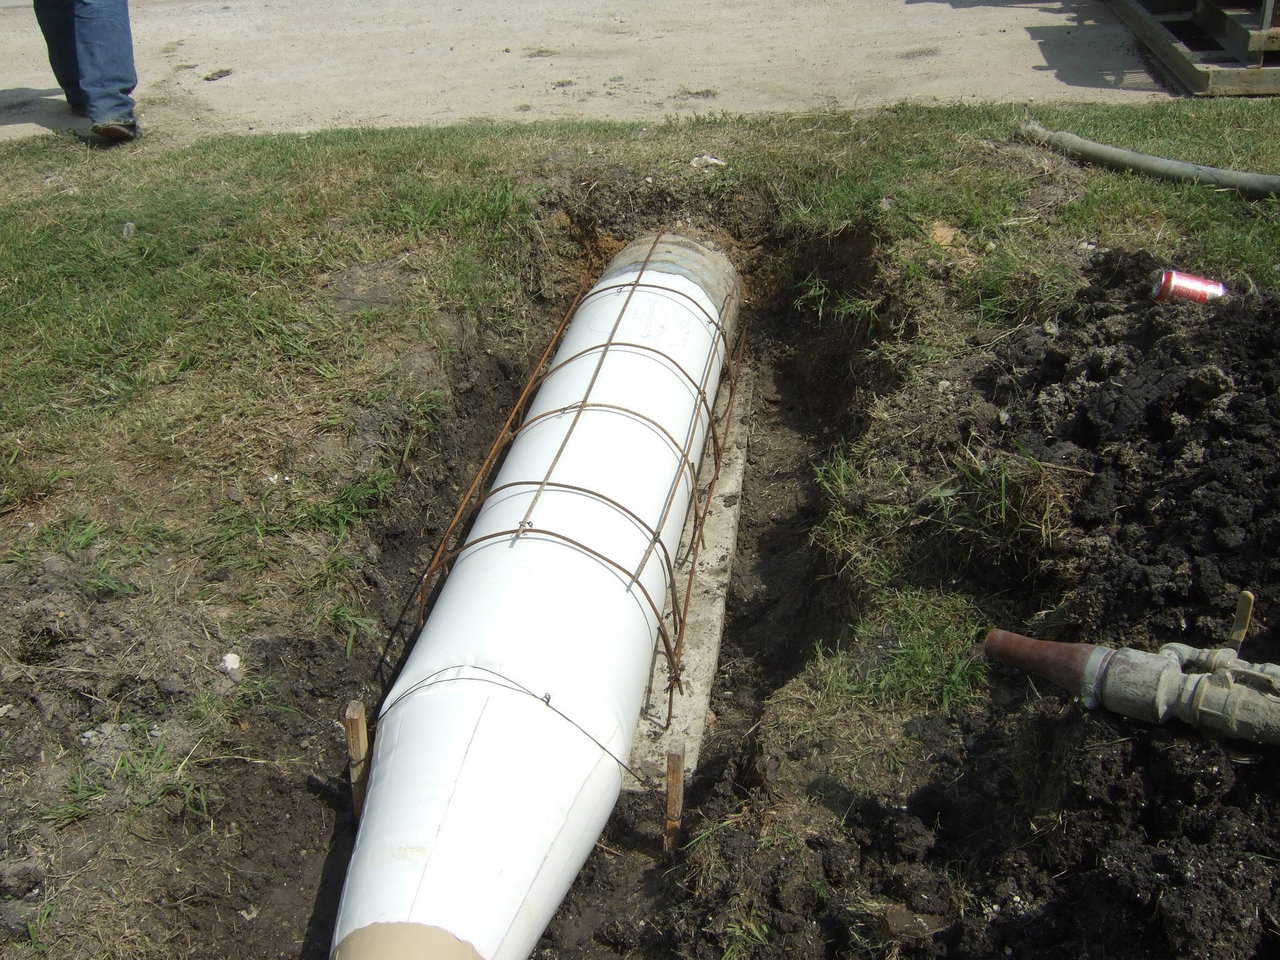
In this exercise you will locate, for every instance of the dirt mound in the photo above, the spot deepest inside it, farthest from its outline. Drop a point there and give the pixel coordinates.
(1172, 408)
(1082, 836)
(1071, 834)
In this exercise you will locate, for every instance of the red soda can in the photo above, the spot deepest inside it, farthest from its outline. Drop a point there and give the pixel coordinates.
(1173, 285)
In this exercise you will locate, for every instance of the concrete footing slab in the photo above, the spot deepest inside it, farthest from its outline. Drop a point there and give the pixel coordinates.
(705, 625)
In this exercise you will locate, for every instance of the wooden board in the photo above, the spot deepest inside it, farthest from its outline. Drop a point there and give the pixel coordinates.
(1214, 72)
(1238, 29)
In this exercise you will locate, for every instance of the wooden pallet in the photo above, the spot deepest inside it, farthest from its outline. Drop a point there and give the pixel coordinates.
(1212, 49)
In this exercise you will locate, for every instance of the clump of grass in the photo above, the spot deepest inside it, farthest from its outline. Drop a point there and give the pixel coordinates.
(1001, 507)
(349, 623)
(212, 713)
(74, 533)
(864, 917)
(80, 794)
(913, 650)
(352, 503)
(744, 934)
(37, 929)
(150, 770)
(21, 484)
(420, 417)
(856, 317)
(1009, 505)
(862, 529)
(104, 581)
(909, 652)
(248, 535)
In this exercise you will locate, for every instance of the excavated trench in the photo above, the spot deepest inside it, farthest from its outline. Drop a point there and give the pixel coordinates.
(1028, 827)
(266, 880)
(808, 389)
(809, 385)
(812, 379)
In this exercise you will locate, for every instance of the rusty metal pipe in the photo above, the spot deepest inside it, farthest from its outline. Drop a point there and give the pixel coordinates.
(1075, 667)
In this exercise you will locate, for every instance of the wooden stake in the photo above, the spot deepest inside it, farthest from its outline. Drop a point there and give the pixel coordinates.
(1244, 613)
(358, 751)
(675, 800)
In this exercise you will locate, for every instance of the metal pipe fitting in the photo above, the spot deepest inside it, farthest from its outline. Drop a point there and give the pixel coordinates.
(1223, 694)
(1075, 667)
(1221, 658)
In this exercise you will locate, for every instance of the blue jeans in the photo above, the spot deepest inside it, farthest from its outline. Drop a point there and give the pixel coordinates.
(91, 52)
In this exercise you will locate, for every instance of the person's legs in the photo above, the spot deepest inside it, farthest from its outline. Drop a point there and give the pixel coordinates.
(104, 52)
(57, 23)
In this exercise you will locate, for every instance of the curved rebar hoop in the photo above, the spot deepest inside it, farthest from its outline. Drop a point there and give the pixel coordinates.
(516, 532)
(671, 643)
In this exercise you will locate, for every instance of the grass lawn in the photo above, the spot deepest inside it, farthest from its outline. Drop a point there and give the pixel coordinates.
(224, 364)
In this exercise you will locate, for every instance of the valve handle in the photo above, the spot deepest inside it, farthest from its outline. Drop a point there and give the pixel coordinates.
(1240, 626)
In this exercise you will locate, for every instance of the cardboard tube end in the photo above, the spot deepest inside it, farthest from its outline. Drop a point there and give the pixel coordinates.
(403, 941)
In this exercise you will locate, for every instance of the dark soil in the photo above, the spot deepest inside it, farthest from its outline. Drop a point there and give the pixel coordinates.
(1174, 408)
(1030, 827)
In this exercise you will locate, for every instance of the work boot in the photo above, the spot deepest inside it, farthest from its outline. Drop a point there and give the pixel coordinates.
(118, 131)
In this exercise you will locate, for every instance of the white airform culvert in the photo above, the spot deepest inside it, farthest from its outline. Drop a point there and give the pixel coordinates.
(497, 756)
